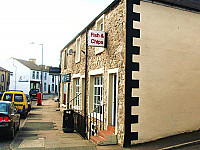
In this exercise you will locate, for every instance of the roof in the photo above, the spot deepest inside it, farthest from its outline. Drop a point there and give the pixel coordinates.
(193, 5)
(30, 65)
(2, 69)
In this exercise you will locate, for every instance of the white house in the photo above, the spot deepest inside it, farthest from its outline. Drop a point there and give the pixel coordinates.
(26, 75)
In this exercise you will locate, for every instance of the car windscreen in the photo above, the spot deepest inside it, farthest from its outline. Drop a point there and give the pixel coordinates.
(34, 91)
(18, 98)
(3, 107)
(27, 97)
(8, 97)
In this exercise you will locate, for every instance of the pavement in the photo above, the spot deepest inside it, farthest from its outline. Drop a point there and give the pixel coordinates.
(42, 129)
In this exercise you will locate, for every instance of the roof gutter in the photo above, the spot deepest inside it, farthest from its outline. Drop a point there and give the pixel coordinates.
(173, 5)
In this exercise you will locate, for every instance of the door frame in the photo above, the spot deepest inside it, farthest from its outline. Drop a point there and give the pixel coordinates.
(110, 85)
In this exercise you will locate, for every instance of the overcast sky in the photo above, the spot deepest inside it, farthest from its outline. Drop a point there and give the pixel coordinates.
(52, 23)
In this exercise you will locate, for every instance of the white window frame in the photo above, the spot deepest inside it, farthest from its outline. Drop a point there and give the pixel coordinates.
(92, 74)
(2, 78)
(45, 87)
(33, 75)
(37, 75)
(45, 76)
(100, 21)
(78, 50)
(98, 96)
(77, 92)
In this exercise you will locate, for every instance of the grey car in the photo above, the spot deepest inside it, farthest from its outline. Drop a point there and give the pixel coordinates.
(9, 119)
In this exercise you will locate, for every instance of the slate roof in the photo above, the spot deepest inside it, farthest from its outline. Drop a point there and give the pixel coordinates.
(30, 65)
(193, 5)
(2, 69)
(187, 4)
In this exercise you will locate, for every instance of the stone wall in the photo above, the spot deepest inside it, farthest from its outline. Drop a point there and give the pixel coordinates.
(112, 57)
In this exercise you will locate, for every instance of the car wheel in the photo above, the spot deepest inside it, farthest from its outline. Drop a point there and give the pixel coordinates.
(12, 133)
(18, 125)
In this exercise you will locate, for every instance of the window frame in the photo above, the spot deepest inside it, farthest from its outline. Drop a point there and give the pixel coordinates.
(98, 96)
(33, 75)
(37, 75)
(78, 50)
(2, 78)
(98, 26)
(77, 93)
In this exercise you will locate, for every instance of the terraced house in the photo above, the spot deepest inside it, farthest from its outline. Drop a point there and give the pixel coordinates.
(5, 79)
(143, 84)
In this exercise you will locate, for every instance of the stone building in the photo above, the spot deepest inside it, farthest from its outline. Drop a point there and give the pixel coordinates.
(5, 79)
(144, 84)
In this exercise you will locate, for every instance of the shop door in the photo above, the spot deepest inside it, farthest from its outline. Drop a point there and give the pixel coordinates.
(114, 100)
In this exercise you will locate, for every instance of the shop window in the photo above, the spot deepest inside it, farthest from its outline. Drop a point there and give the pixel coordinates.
(45, 87)
(52, 87)
(77, 93)
(98, 94)
(78, 50)
(99, 27)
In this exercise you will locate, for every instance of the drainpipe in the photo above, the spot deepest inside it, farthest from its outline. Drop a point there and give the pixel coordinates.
(15, 74)
(86, 55)
(5, 87)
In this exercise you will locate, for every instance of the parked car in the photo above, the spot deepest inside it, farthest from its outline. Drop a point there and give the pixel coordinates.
(9, 119)
(29, 101)
(33, 93)
(19, 99)
(1, 94)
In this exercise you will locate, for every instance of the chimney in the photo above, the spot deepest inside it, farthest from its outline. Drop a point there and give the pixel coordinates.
(32, 60)
(48, 67)
(42, 66)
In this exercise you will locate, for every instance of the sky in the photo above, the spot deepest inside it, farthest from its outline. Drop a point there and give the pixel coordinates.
(52, 23)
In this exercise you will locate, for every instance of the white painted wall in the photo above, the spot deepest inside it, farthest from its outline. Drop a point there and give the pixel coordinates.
(22, 73)
(20, 78)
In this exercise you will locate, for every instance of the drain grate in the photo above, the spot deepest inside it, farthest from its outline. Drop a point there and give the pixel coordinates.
(27, 135)
(32, 126)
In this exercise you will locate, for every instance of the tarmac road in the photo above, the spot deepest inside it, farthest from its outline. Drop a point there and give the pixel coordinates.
(5, 143)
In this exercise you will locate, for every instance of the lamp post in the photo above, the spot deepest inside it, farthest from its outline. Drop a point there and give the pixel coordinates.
(41, 70)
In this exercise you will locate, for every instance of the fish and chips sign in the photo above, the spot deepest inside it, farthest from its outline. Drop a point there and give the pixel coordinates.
(96, 38)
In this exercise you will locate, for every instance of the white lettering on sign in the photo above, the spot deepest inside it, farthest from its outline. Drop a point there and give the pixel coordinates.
(96, 38)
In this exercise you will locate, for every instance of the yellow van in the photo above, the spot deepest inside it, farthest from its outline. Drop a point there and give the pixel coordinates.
(19, 100)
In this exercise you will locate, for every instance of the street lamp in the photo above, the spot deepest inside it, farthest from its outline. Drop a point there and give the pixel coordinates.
(41, 70)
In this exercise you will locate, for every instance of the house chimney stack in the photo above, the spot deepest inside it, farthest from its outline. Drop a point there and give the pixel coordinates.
(32, 60)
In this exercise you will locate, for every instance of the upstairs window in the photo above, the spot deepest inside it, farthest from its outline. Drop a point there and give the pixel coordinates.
(65, 59)
(78, 50)
(52, 79)
(2, 78)
(45, 76)
(37, 75)
(33, 75)
(99, 27)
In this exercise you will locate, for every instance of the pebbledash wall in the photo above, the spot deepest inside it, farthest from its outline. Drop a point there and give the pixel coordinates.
(154, 51)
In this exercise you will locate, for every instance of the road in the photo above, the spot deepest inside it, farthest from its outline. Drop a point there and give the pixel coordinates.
(4, 143)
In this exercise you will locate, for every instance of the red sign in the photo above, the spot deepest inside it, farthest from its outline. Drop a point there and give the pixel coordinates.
(96, 38)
